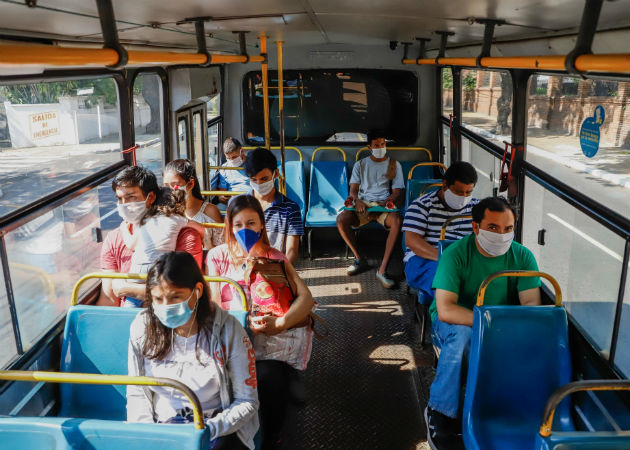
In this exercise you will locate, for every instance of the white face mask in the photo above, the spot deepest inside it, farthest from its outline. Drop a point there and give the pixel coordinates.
(379, 153)
(455, 201)
(132, 212)
(236, 162)
(495, 244)
(263, 188)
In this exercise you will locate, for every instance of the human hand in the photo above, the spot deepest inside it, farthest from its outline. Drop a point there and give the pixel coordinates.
(269, 325)
(360, 206)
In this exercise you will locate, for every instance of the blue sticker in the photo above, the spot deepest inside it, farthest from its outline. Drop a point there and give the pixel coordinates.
(589, 133)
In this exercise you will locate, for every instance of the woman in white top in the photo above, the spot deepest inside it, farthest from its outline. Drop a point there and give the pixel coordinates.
(181, 174)
(182, 335)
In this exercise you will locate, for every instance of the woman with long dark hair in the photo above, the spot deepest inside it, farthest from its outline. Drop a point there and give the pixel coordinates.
(282, 344)
(181, 174)
(182, 335)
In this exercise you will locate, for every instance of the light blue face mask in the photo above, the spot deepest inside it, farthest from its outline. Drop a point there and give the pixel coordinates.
(173, 316)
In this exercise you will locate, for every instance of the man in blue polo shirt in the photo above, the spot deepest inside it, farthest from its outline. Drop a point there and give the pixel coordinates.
(229, 179)
(283, 219)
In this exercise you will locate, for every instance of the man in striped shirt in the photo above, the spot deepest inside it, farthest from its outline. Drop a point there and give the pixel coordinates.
(424, 219)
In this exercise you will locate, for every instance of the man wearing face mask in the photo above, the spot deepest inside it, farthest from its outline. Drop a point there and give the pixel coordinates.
(283, 219)
(231, 180)
(136, 190)
(461, 270)
(424, 219)
(375, 181)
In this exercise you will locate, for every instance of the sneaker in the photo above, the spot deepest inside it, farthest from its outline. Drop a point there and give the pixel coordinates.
(358, 266)
(442, 431)
(387, 282)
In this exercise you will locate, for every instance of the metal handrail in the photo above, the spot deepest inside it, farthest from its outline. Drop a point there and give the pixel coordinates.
(278, 148)
(143, 276)
(42, 274)
(415, 149)
(210, 167)
(225, 193)
(448, 221)
(124, 380)
(577, 386)
(429, 186)
(212, 224)
(518, 273)
(328, 148)
(424, 164)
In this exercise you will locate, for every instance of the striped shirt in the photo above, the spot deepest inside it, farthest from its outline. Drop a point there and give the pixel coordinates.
(282, 218)
(427, 214)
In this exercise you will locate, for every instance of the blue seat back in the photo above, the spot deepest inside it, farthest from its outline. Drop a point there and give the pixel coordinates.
(296, 186)
(443, 245)
(584, 440)
(95, 340)
(57, 433)
(416, 186)
(518, 356)
(327, 192)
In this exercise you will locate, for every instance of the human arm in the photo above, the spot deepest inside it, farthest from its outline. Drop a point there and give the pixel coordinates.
(213, 212)
(241, 370)
(393, 197)
(109, 263)
(139, 403)
(215, 288)
(420, 247)
(295, 229)
(293, 248)
(358, 203)
(530, 297)
(449, 311)
(123, 288)
(298, 311)
(107, 297)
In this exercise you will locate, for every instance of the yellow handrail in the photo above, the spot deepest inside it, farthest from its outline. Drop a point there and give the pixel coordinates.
(518, 273)
(142, 276)
(225, 193)
(576, 386)
(299, 152)
(213, 224)
(42, 274)
(448, 221)
(422, 149)
(437, 164)
(210, 167)
(429, 186)
(92, 378)
(328, 148)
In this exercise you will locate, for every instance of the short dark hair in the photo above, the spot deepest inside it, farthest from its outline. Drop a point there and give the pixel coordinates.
(260, 159)
(375, 134)
(137, 176)
(496, 204)
(231, 145)
(461, 171)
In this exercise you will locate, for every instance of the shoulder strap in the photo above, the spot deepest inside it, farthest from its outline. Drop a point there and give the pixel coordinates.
(391, 169)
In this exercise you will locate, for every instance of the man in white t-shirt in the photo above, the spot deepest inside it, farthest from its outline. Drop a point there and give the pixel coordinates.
(375, 181)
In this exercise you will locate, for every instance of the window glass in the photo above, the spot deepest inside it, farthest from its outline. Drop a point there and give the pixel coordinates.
(446, 143)
(447, 91)
(622, 354)
(334, 106)
(148, 121)
(486, 165)
(198, 129)
(557, 108)
(213, 107)
(213, 144)
(53, 134)
(48, 255)
(182, 138)
(487, 104)
(7, 339)
(584, 256)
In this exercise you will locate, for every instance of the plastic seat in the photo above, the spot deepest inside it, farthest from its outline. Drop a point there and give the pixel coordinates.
(418, 187)
(443, 245)
(518, 356)
(296, 186)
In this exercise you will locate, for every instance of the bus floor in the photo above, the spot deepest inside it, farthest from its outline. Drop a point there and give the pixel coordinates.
(367, 383)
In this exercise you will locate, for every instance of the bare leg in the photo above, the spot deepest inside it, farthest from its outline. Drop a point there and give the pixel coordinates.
(394, 223)
(345, 221)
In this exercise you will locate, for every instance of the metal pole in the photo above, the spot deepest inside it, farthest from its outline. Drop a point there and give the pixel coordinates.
(265, 82)
(283, 179)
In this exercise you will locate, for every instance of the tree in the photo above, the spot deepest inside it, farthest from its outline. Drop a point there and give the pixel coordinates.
(504, 105)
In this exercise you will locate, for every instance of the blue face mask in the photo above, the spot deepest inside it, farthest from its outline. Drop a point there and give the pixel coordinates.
(173, 316)
(247, 238)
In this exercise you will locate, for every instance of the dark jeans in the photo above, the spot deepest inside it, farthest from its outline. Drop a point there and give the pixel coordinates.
(229, 442)
(274, 379)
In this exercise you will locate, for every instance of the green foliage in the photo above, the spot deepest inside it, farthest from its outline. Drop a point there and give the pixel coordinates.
(447, 79)
(541, 90)
(29, 94)
(469, 82)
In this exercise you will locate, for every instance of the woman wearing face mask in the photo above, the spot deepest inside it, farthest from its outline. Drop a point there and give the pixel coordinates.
(277, 362)
(184, 336)
(181, 174)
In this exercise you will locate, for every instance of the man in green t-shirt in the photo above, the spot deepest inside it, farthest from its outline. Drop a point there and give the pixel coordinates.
(461, 270)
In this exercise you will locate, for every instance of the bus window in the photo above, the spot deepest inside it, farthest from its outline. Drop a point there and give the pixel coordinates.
(622, 355)
(487, 104)
(47, 256)
(182, 138)
(55, 133)
(447, 91)
(584, 256)
(148, 121)
(334, 106)
(213, 144)
(486, 165)
(7, 340)
(557, 108)
(213, 107)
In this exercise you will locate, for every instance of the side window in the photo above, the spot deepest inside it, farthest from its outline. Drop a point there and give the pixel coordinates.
(149, 121)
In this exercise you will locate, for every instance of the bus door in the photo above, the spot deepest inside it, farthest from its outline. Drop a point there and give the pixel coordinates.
(192, 142)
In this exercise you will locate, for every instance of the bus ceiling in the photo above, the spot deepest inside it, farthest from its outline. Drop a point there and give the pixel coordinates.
(143, 33)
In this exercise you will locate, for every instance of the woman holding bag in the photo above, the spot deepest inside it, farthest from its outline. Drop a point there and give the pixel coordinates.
(282, 342)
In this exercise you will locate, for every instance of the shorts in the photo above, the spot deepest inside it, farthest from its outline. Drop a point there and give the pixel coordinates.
(366, 217)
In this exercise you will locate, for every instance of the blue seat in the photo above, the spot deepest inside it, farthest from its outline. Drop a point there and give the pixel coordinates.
(58, 433)
(443, 245)
(584, 440)
(296, 186)
(417, 187)
(518, 356)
